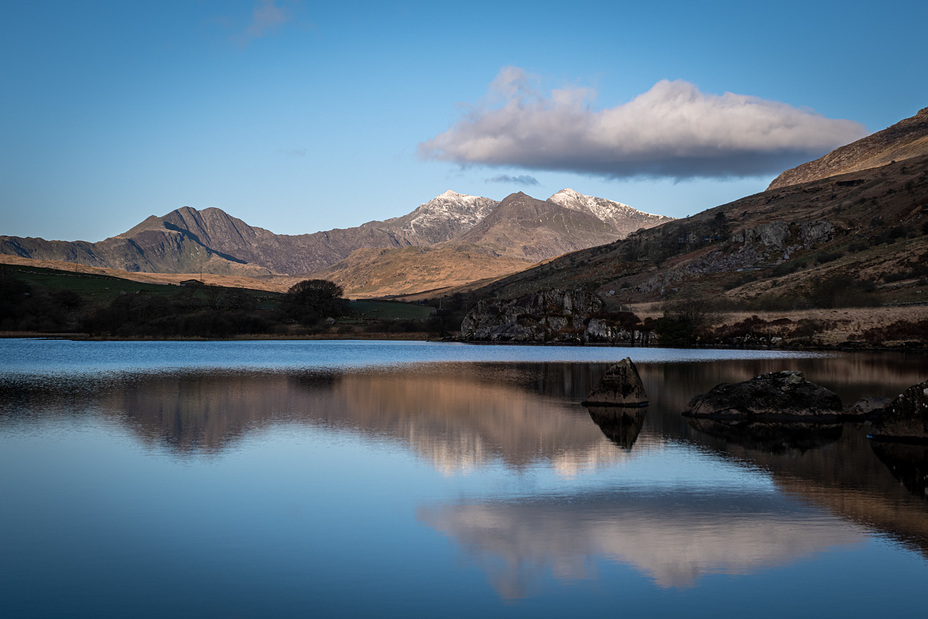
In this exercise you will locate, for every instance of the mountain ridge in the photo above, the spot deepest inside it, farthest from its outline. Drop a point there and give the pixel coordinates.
(188, 240)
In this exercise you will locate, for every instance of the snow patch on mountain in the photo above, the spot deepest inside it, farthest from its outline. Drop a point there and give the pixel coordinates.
(617, 214)
(451, 210)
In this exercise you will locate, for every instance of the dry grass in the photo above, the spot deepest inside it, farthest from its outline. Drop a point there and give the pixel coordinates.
(279, 283)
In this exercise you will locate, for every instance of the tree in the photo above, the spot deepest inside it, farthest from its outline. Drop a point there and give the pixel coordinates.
(312, 299)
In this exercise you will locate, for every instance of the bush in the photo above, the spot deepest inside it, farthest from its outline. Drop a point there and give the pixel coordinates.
(313, 299)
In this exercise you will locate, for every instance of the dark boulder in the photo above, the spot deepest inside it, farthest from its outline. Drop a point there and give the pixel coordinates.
(620, 386)
(906, 417)
(775, 397)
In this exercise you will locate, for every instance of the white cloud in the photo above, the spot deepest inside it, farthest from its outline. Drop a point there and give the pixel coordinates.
(672, 130)
(265, 18)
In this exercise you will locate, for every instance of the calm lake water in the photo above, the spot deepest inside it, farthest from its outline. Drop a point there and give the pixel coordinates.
(419, 479)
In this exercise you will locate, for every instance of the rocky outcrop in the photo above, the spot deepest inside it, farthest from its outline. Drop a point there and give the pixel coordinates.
(555, 316)
(550, 316)
(782, 397)
(620, 386)
(906, 417)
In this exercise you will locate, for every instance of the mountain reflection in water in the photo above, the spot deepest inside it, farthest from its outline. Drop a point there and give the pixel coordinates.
(800, 497)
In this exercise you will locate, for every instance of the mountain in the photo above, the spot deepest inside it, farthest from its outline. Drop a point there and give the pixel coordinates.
(529, 229)
(860, 237)
(442, 218)
(623, 218)
(906, 139)
(517, 232)
(188, 240)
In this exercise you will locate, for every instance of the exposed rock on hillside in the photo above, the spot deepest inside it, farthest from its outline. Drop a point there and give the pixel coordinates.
(904, 140)
(551, 316)
(778, 397)
(573, 316)
(906, 418)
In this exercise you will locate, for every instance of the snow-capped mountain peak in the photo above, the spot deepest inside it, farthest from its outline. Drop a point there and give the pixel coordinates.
(449, 214)
(620, 215)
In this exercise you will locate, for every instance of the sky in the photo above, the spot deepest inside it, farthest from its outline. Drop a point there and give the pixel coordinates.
(299, 116)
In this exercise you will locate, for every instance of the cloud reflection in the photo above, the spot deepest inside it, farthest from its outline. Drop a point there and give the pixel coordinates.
(673, 538)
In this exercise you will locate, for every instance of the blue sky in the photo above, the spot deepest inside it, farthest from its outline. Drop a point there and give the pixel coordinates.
(299, 116)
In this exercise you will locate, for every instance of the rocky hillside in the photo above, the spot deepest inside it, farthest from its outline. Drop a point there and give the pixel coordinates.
(856, 238)
(904, 140)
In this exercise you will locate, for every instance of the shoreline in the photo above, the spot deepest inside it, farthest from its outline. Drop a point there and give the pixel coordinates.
(913, 348)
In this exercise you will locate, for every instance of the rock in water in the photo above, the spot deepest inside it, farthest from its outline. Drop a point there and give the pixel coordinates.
(620, 386)
(906, 418)
(778, 396)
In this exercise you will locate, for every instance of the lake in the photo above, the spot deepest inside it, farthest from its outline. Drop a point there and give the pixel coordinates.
(333, 479)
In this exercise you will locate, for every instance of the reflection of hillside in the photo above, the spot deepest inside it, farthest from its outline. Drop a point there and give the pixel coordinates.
(849, 480)
(674, 538)
(456, 419)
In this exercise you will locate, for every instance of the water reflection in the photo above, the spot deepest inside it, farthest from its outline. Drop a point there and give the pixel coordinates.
(771, 436)
(673, 537)
(907, 462)
(824, 491)
(622, 424)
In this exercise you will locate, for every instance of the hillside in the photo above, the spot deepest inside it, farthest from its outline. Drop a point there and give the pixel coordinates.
(371, 273)
(856, 238)
(906, 139)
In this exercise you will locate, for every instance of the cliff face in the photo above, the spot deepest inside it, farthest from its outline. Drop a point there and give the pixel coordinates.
(906, 139)
(563, 316)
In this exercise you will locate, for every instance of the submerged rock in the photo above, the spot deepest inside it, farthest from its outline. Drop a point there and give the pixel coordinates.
(906, 417)
(620, 386)
(778, 396)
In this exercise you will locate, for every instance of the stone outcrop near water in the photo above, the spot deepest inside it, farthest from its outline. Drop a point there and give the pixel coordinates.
(552, 316)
